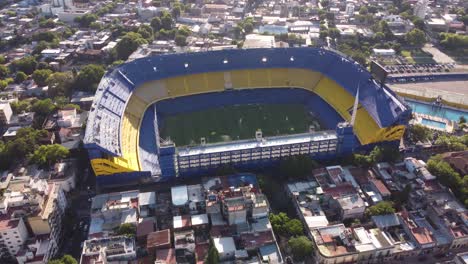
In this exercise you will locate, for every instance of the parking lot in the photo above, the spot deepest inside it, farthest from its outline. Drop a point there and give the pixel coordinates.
(414, 69)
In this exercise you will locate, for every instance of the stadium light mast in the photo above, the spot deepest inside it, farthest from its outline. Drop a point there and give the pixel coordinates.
(356, 102)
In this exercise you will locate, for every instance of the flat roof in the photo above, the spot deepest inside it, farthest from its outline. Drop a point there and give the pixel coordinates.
(253, 143)
(146, 198)
(179, 195)
(224, 244)
(200, 219)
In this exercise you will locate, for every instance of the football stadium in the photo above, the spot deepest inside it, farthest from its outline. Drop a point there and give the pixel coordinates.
(182, 115)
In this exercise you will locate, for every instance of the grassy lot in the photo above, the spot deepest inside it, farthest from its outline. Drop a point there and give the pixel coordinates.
(236, 122)
(417, 56)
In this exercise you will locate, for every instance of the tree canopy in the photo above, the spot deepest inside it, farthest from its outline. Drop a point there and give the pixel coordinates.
(47, 155)
(60, 84)
(453, 143)
(301, 247)
(89, 77)
(378, 154)
(128, 44)
(4, 71)
(86, 20)
(40, 76)
(156, 24)
(180, 40)
(24, 144)
(146, 32)
(447, 176)
(381, 208)
(286, 226)
(212, 256)
(297, 166)
(26, 64)
(126, 229)
(416, 37)
(66, 259)
(418, 132)
(20, 77)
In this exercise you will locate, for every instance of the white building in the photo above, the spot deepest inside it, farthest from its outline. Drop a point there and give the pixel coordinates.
(5, 113)
(349, 9)
(420, 8)
(225, 247)
(49, 221)
(118, 249)
(254, 41)
(13, 235)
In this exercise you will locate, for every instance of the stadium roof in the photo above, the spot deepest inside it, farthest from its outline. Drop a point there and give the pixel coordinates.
(253, 143)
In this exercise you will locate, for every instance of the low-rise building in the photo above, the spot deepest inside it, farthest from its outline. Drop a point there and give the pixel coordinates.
(119, 249)
(226, 247)
(338, 244)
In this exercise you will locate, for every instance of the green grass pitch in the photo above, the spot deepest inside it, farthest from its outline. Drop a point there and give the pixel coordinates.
(236, 122)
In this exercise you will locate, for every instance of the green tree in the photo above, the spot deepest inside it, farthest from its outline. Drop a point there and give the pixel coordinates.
(419, 23)
(180, 40)
(20, 77)
(297, 166)
(176, 10)
(416, 37)
(212, 257)
(166, 20)
(381, 208)
(362, 161)
(2, 59)
(88, 78)
(452, 143)
(42, 109)
(402, 196)
(26, 141)
(418, 132)
(4, 71)
(47, 23)
(40, 76)
(448, 177)
(301, 248)
(323, 34)
(334, 32)
(294, 227)
(86, 20)
(126, 229)
(66, 259)
(278, 222)
(26, 64)
(363, 10)
(47, 155)
(3, 85)
(156, 24)
(128, 44)
(248, 28)
(46, 36)
(60, 84)
(20, 106)
(42, 45)
(461, 120)
(146, 32)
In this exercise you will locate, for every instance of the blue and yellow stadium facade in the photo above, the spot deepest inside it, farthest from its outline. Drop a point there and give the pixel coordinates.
(122, 135)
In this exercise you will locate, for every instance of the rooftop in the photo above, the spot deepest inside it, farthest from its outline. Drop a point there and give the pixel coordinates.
(253, 143)
(179, 195)
(159, 239)
(224, 244)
